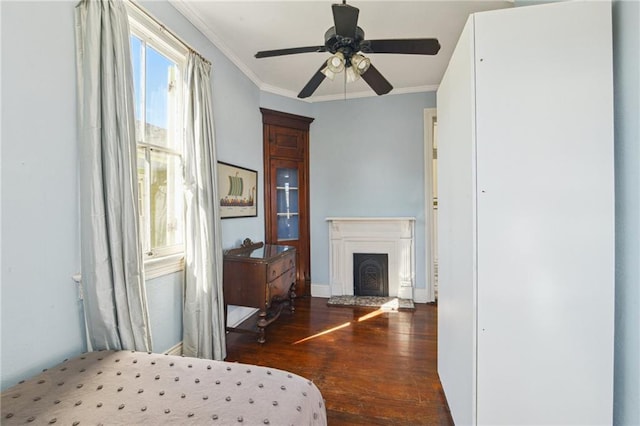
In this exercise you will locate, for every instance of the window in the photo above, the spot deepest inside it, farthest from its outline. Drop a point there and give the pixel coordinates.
(158, 69)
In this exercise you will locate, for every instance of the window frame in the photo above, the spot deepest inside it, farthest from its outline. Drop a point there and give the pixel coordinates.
(166, 260)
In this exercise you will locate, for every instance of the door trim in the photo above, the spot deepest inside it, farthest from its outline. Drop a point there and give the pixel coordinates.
(430, 116)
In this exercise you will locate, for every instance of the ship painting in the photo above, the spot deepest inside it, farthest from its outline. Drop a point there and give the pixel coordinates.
(237, 191)
(235, 197)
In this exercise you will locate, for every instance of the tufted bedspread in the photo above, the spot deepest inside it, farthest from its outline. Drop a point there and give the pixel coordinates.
(128, 388)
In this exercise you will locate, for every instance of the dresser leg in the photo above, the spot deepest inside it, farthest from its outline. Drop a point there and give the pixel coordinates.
(292, 297)
(262, 323)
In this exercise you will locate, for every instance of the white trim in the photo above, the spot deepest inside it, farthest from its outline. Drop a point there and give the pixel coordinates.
(430, 114)
(354, 95)
(144, 26)
(371, 219)
(174, 350)
(321, 290)
(186, 10)
(421, 295)
(159, 267)
(77, 278)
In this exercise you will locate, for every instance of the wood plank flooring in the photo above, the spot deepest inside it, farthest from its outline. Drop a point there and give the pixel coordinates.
(372, 367)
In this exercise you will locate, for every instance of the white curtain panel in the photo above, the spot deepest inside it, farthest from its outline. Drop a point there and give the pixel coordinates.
(203, 313)
(112, 274)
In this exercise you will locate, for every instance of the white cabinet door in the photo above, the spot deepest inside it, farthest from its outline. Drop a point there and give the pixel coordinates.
(545, 214)
(527, 217)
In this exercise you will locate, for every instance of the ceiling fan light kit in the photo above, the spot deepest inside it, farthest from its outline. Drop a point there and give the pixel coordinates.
(336, 63)
(360, 63)
(344, 41)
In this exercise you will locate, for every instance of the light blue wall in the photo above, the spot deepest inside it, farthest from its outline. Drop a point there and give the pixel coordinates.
(164, 296)
(284, 104)
(41, 312)
(41, 319)
(626, 66)
(367, 159)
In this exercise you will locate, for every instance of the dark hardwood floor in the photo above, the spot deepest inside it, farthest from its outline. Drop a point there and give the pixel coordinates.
(372, 367)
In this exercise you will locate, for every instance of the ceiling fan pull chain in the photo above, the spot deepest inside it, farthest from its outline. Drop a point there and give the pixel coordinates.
(345, 83)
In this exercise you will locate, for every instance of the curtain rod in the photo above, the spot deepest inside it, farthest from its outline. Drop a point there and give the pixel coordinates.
(168, 31)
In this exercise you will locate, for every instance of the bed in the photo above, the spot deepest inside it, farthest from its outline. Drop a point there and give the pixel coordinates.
(122, 387)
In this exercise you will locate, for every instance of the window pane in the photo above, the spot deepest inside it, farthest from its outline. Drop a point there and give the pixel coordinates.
(287, 177)
(165, 200)
(287, 199)
(161, 97)
(288, 227)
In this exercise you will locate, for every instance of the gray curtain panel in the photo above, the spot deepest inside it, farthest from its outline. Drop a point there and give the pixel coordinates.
(112, 273)
(203, 313)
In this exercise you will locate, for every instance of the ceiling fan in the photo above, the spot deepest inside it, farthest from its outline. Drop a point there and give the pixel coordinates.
(345, 41)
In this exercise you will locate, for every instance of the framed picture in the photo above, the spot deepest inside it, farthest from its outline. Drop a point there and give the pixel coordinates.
(237, 191)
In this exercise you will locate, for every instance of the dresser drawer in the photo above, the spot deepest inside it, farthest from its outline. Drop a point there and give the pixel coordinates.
(278, 267)
(280, 286)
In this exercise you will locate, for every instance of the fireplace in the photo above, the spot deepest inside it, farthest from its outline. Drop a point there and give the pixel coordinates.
(370, 276)
(390, 236)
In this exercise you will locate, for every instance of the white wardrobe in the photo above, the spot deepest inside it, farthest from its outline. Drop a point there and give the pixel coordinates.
(526, 218)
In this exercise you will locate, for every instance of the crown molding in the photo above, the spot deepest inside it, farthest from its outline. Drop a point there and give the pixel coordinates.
(350, 95)
(191, 15)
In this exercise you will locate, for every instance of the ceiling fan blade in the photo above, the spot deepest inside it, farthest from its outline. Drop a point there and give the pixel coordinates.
(408, 46)
(291, 51)
(345, 19)
(313, 84)
(378, 83)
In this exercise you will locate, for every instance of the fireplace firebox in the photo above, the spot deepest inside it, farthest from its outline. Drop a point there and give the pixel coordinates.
(370, 274)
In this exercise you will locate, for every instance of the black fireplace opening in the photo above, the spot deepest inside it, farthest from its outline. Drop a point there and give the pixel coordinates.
(370, 274)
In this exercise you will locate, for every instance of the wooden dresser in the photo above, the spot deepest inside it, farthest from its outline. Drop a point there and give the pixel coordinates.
(260, 276)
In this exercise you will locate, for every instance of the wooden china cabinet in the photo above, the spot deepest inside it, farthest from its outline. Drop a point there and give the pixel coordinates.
(286, 188)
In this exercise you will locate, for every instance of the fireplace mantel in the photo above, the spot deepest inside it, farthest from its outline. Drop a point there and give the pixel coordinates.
(391, 235)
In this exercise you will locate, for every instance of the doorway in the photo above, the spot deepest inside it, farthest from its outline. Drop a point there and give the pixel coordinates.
(431, 200)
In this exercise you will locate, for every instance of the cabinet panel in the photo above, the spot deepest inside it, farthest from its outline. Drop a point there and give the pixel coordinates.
(545, 244)
(284, 142)
(526, 242)
(456, 231)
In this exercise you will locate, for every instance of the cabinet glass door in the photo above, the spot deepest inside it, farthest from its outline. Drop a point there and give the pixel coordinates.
(287, 198)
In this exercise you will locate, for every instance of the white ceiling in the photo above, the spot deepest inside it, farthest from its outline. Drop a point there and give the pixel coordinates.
(242, 28)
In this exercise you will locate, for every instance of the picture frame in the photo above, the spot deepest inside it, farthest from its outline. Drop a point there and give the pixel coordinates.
(237, 191)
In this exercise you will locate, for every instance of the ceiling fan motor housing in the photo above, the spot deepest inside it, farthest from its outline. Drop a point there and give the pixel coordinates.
(347, 45)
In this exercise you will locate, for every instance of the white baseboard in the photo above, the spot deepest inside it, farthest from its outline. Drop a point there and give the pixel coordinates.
(421, 295)
(175, 350)
(320, 290)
